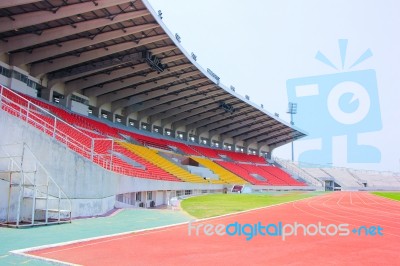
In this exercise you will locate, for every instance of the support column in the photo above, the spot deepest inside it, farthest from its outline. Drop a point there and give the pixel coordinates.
(96, 111)
(47, 94)
(68, 101)
(125, 121)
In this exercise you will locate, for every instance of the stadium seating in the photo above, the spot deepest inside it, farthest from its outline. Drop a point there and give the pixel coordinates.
(272, 179)
(342, 177)
(223, 173)
(377, 179)
(107, 131)
(205, 151)
(153, 157)
(182, 147)
(90, 138)
(316, 172)
(151, 171)
(273, 176)
(103, 129)
(147, 140)
(295, 169)
(235, 156)
(282, 175)
(243, 173)
(242, 157)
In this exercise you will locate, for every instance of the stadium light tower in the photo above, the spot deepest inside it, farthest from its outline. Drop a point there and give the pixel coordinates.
(292, 110)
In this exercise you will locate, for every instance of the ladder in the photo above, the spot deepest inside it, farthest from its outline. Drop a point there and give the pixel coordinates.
(34, 198)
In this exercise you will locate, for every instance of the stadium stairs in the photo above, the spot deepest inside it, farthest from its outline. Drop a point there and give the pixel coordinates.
(151, 170)
(224, 174)
(152, 156)
(295, 170)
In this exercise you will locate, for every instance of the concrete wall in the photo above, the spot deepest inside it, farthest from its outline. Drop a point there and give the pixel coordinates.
(4, 188)
(91, 188)
(158, 197)
(79, 108)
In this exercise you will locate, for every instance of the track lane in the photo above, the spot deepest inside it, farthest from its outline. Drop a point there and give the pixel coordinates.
(173, 246)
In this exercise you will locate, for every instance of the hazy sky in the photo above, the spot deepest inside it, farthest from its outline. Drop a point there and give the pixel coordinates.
(258, 45)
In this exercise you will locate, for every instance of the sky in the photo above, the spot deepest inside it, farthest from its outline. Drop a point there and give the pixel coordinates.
(262, 46)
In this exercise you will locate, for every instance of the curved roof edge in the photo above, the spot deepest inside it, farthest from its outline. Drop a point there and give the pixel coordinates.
(220, 85)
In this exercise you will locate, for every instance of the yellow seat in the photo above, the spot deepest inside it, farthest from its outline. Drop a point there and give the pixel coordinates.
(153, 157)
(225, 176)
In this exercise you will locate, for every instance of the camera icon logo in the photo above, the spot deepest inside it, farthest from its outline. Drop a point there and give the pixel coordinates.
(344, 103)
(345, 110)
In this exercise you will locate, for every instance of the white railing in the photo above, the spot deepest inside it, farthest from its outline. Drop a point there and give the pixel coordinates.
(288, 165)
(24, 161)
(60, 130)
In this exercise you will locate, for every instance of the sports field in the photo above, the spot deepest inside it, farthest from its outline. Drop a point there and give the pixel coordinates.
(389, 195)
(219, 204)
(373, 238)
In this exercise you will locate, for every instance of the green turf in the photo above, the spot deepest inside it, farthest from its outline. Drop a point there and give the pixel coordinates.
(218, 204)
(390, 195)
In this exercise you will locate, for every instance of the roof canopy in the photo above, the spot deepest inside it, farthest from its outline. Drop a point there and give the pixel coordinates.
(120, 54)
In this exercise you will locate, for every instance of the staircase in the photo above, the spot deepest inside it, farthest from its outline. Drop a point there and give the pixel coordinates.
(358, 180)
(294, 170)
(34, 198)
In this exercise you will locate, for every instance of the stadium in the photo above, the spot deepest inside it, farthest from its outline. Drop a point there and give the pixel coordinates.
(112, 133)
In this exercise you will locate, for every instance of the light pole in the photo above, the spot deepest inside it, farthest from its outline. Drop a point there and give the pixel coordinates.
(292, 110)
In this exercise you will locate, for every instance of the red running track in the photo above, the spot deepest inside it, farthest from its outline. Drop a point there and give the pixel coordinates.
(173, 245)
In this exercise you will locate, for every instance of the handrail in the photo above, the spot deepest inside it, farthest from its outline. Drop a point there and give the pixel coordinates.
(61, 195)
(304, 175)
(45, 111)
(47, 173)
(32, 116)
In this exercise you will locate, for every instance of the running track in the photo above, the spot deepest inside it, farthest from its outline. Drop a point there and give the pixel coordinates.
(173, 246)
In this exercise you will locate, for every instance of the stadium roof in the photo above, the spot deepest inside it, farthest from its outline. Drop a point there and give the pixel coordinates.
(120, 53)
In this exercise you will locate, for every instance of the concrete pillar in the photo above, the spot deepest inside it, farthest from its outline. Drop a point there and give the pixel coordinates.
(96, 111)
(125, 121)
(246, 147)
(111, 117)
(68, 101)
(47, 94)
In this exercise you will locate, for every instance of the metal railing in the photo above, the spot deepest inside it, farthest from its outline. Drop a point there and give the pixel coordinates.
(291, 167)
(35, 178)
(58, 129)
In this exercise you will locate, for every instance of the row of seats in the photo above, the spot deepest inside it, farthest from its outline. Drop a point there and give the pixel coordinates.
(150, 170)
(270, 175)
(342, 177)
(209, 153)
(108, 131)
(152, 156)
(245, 174)
(147, 141)
(224, 174)
(91, 133)
(235, 156)
(280, 174)
(80, 140)
(81, 121)
(70, 136)
(242, 157)
(182, 147)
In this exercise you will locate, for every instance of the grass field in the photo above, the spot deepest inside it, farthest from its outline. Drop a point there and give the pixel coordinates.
(218, 204)
(390, 195)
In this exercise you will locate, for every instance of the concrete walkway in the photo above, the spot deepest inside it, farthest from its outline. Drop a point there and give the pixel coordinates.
(123, 221)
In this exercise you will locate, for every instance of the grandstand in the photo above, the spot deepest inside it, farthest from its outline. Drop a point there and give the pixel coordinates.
(117, 112)
(103, 99)
(339, 178)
